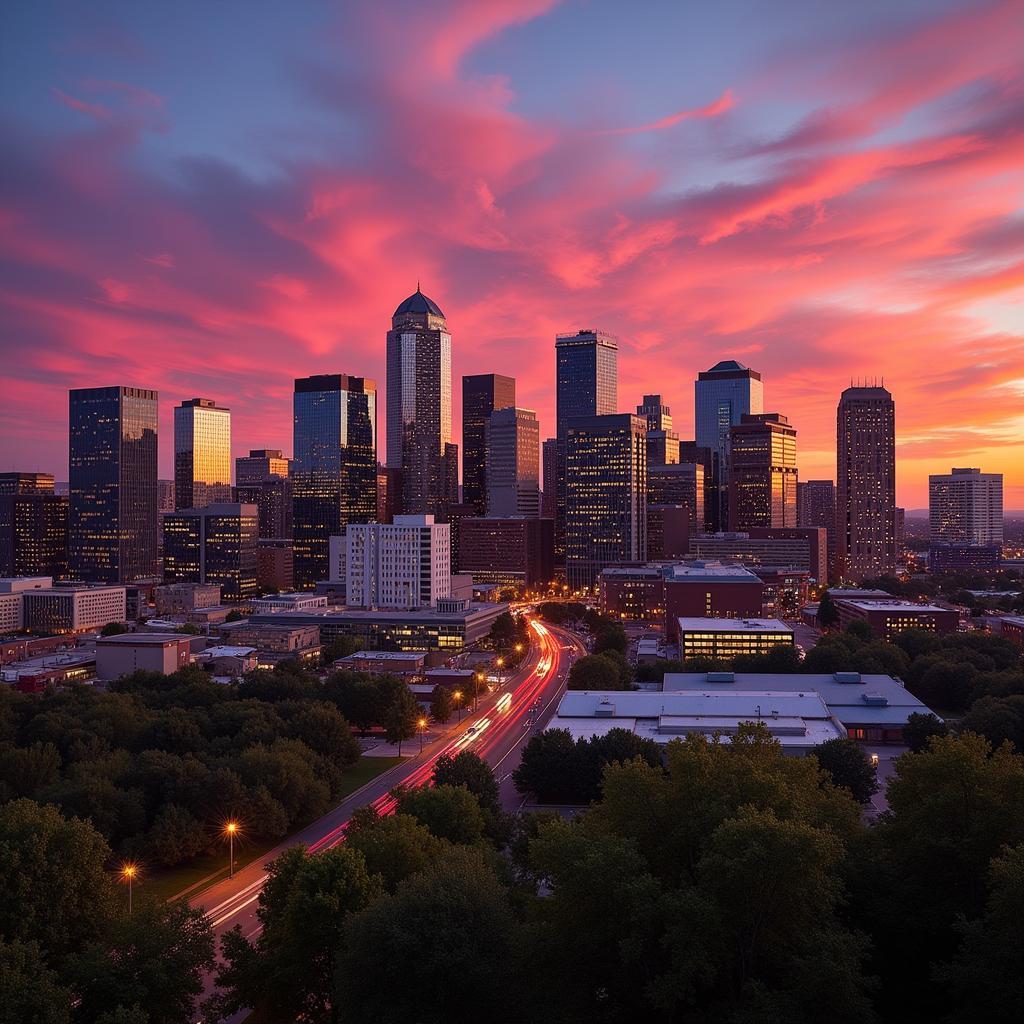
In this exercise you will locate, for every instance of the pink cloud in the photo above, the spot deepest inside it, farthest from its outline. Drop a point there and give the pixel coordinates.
(719, 106)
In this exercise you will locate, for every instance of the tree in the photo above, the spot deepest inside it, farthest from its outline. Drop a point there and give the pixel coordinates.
(234, 616)
(622, 667)
(594, 672)
(401, 717)
(449, 812)
(323, 728)
(53, 888)
(29, 989)
(113, 629)
(859, 629)
(287, 973)
(610, 636)
(920, 728)
(395, 847)
(437, 951)
(192, 629)
(339, 647)
(547, 767)
(849, 766)
(998, 719)
(828, 613)
(356, 696)
(174, 836)
(156, 958)
(472, 771)
(441, 704)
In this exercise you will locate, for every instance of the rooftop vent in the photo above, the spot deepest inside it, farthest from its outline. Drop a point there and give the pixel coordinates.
(721, 677)
(606, 709)
(875, 700)
(847, 677)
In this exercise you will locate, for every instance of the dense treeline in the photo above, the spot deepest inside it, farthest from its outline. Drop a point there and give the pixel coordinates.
(160, 762)
(727, 884)
(956, 587)
(608, 633)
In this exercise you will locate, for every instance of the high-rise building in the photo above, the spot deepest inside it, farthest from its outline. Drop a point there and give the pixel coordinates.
(701, 455)
(112, 484)
(404, 564)
(202, 453)
(419, 407)
(586, 384)
(549, 497)
(662, 440)
(605, 495)
(263, 479)
(678, 484)
(513, 463)
(865, 483)
(722, 396)
(816, 506)
(965, 506)
(389, 493)
(334, 470)
(215, 544)
(33, 526)
(482, 394)
(762, 472)
(510, 550)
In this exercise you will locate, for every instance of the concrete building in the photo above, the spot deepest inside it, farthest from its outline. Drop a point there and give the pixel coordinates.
(805, 548)
(276, 636)
(964, 558)
(482, 394)
(679, 484)
(513, 551)
(513, 463)
(405, 664)
(12, 612)
(216, 545)
(183, 598)
(202, 454)
(605, 495)
(300, 602)
(549, 473)
(710, 588)
(797, 721)
(723, 639)
(1012, 627)
(73, 609)
(870, 708)
(965, 506)
(263, 479)
(275, 564)
(866, 485)
(632, 592)
(389, 493)
(887, 618)
(405, 564)
(816, 508)
(227, 661)
(662, 440)
(126, 653)
(668, 532)
(762, 472)
(33, 526)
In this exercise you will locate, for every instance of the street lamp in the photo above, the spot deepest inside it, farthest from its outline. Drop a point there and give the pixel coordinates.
(230, 829)
(500, 662)
(457, 697)
(423, 725)
(128, 873)
(476, 688)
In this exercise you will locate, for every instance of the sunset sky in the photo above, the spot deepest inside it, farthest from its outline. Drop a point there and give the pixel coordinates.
(211, 198)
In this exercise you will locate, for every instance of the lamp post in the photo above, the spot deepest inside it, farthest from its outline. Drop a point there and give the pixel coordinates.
(478, 679)
(231, 828)
(457, 697)
(500, 662)
(422, 727)
(128, 873)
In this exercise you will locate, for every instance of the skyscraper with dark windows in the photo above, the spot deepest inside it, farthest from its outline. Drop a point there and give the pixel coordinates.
(816, 506)
(482, 394)
(263, 479)
(112, 474)
(722, 395)
(662, 440)
(513, 463)
(214, 544)
(549, 497)
(33, 526)
(605, 495)
(202, 453)
(866, 483)
(762, 473)
(419, 406)
(334, 469)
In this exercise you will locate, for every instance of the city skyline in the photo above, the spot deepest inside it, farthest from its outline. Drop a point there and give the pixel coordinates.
(796, 236)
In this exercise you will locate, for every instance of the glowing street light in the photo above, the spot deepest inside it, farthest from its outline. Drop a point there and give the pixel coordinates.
(457, 697)
(422, 723)
(128, 873)
(229, 830)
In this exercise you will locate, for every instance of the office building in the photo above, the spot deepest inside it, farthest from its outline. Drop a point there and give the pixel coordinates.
(796, 548)
(549, 494)
(698, 455)
(704, 588)
(202, 454)
(964, 558)
(275, 564)
(216, 544)
(605, 495)
(334, 470)
(512, 551)
(668, 532)
(121, 655)
(184, 598)
(513, 463)
(887, 618)
(722, 396)
(112, 519)
(816, 507)
(482, 394)
(263, 479)
(725, 639)
(419, 405)
(965, 506)
(762, 472)
(33, 526)
(866, 483)
(662, 440)
(634, 592)
(389, 493)
(73, 609)
(404, 564)
(678, 484)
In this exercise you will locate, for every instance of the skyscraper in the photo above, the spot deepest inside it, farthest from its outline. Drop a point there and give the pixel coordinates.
(513, 463)
(662, 440)
(482, 393)
(605, 495)
(680, 483)
(549, 498)
(816, 506)
(965, 506)
(762, 473)
(33, 526)
(112, 484)
(866, 483)
(202, 453)
(213, 544)
(586, 384)
(722, 395)
(334, 470)
(419, 406)
(263, 479)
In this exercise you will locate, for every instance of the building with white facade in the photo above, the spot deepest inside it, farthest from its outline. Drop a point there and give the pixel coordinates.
(289, 603)
(405, 564)
(73, 609)
(965, 506)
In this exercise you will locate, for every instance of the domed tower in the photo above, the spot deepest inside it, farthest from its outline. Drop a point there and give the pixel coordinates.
(419, 406)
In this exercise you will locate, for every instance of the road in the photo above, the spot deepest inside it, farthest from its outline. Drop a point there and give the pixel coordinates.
(497, 731)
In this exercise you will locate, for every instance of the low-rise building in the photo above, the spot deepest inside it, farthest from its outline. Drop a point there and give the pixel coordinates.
(632, 592)
(33, 674)
(228, 661)
(966, 558)
(887, 618)
(73, 609)
(288, 603)
(1013, 629)
(798, 721)
(793, 547)
(407, 664)
(510, 550)
(700, 589)
(723, 639)
(276, 637)
(181, 598)
(125, 653)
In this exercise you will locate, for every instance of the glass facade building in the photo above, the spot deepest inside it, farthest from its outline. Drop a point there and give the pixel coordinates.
(334, 470)
(112, 484)
(482, 394)
(202, 454)
(263, 479)
(419, 405)
(216, 544)
(762, 473)
(513, 463)
(722, 395)
(33, 526)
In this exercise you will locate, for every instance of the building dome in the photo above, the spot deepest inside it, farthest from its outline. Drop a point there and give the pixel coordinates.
(419, 303)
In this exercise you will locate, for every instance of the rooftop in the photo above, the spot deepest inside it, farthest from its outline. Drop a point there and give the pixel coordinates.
(702, 570)
(893, 605)
(141, 639)
(419, 303)
(227, 651)
(706, 625)
(384, 656)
